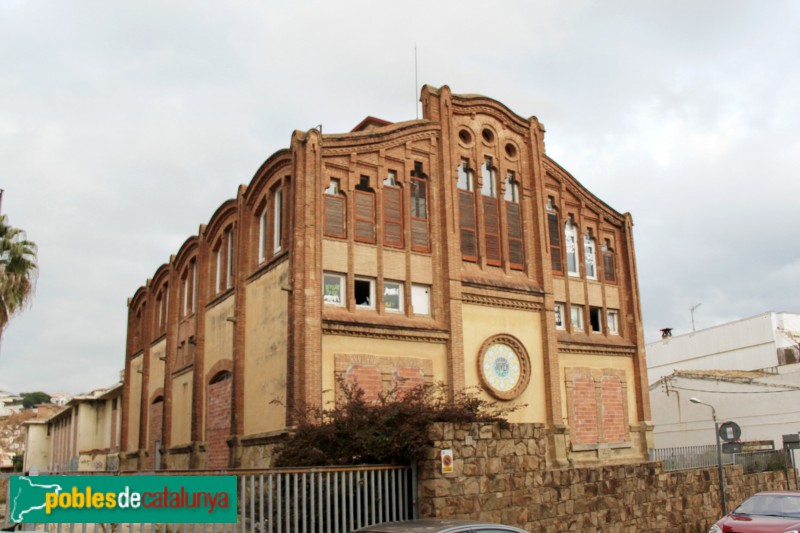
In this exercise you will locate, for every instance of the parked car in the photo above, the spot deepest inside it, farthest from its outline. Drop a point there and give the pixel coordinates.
(439, 526)
(763, 512)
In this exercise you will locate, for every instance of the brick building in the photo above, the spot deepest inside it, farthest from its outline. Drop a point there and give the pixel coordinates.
(449, 249)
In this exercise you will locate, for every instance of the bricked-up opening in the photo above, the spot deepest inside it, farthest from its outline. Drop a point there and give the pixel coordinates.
(554, 234)
(466, 209)
(609, 270)
(335, 211)
(584, 411)
(364, 212)
(218, 420)
(595, 319)
(367, 378)
(613, 410)
(392, 211)
(364, 292)
(420, 227)
(156, 422)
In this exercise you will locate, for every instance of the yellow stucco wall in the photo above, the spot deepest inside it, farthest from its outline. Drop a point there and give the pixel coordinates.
(37, 448)
(333, 344)
(481, 323)
(266, 335)
(134, 403)
(334, 255)
(598, 362)
(219, 333)
(422, 269)
(181, 432)
(92, 427)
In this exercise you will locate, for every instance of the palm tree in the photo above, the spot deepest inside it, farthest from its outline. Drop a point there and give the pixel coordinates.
(17, 271)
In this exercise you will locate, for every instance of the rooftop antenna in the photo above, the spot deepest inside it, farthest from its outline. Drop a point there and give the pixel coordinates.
(416, 83)
(691, 309)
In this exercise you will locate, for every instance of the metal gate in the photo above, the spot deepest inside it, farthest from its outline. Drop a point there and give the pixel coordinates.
(289, 500)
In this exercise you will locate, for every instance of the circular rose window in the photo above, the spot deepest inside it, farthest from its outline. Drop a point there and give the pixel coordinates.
(504, 367)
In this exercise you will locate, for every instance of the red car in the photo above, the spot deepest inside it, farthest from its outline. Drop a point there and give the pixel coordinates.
(765, 512)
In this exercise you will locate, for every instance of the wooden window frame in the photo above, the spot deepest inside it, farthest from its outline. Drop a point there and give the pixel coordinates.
(417, 180)
(391, 190)
(360, 218)
(328, 203)
(554, 232)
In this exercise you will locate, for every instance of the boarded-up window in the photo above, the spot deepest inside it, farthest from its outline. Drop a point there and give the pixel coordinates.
(516, 250)
(365, 216)
(335, 209)
(469, 241)
(393, 216)
(491, 215)
(554, 233)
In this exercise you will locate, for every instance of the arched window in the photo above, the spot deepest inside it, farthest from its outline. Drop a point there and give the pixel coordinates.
(189, 288)
(609, 271)
(589, 255)
(420, 228)
(554, 234)
(223, 279)
(364, 212)
(262, 234)
(466, 210)
(571, 245)
(277, 223)
(491, 214)
(516, 250)
(392, 211)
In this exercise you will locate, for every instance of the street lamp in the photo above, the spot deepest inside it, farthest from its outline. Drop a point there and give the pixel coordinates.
(719, 454)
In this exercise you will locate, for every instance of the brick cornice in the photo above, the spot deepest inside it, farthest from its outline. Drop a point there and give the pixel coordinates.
(332, 147)
(497, 301)
(596, 349)
(386, 333)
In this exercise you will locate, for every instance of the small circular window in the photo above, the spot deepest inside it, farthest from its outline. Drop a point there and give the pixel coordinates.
(465, 136)
(488, 135)
(511, 151)
(504, 367)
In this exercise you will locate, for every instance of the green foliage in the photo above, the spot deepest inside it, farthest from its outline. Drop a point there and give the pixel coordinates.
(17, 271)
(32, 399)
(391, 430)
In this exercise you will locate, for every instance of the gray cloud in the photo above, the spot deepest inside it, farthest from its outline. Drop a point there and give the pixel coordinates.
(124, 125)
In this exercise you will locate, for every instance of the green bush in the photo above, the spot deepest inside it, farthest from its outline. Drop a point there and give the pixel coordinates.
(391, 430)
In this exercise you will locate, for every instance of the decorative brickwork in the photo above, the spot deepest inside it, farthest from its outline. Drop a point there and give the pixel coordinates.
(412, 224)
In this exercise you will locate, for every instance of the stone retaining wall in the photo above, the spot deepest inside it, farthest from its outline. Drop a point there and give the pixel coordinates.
(500, 475)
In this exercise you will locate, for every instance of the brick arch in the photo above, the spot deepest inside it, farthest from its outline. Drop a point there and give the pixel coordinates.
(219, 409)
(225, 365)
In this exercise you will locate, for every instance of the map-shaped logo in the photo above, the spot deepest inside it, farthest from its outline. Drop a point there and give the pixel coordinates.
(28, 496)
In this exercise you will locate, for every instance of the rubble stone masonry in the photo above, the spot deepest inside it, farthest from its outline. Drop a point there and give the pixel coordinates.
(500, 475)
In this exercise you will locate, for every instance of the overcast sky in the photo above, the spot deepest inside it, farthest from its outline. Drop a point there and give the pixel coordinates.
(124, 125)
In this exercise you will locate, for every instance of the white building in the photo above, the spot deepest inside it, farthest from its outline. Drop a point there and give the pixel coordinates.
(767, 342)
(766, 406)
(749, 370)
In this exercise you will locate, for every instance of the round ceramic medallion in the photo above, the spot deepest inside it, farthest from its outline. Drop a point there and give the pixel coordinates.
(504, 367)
